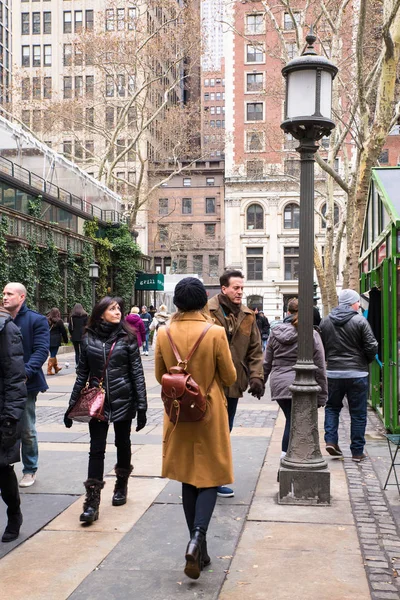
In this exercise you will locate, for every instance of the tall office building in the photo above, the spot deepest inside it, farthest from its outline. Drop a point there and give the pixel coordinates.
(5, 52)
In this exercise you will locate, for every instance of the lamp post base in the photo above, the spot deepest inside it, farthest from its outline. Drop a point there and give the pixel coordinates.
(304, 486)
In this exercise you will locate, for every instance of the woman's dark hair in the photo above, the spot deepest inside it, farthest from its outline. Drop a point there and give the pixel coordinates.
(101, 306)
(78, 311)
(293, 307)
(53, 316)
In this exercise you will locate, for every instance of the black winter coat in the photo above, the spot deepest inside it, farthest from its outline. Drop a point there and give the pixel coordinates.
(349, 342)
(76, 327)
(58, 334)
(12, 382)
(124, 381)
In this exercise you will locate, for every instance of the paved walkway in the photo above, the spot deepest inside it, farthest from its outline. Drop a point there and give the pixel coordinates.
(259, 549)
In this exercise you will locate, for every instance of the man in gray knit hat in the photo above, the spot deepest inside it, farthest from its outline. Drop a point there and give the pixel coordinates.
(350, 346)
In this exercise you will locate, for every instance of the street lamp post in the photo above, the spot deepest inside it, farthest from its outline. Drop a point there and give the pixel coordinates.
(303, 475)
(93, 276)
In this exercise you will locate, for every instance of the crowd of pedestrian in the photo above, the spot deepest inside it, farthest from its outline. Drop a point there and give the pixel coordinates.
(207, 355)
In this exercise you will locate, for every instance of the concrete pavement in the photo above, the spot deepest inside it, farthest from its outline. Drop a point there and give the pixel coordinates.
(259, 549)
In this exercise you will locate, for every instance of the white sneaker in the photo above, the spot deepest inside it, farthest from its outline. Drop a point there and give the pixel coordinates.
(146, 353)
(283, 454)
(27, 480)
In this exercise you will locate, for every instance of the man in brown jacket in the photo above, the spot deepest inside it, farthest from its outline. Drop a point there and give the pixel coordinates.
(243, 335)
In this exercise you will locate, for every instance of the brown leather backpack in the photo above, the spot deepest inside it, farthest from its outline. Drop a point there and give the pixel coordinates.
(183, 400)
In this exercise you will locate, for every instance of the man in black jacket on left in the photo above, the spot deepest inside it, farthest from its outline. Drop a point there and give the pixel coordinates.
(12, 402)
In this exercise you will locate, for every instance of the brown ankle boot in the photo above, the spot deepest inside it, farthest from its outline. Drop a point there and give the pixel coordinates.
(56, 367)
(50, 365)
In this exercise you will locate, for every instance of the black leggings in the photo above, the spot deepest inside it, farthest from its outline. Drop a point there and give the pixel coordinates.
(198, 505)
(98, 439)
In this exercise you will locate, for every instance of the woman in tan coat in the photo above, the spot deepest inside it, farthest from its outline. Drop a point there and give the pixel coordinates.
(197, 453)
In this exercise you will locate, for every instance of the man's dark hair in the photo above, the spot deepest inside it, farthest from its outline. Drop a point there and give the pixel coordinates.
(225, 277)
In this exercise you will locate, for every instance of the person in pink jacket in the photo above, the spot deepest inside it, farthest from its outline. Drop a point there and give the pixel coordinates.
(136, 322)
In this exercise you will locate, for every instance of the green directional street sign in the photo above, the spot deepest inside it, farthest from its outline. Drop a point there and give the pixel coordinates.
(150, 281)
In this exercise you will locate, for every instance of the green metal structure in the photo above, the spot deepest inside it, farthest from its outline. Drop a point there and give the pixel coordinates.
(379, 265)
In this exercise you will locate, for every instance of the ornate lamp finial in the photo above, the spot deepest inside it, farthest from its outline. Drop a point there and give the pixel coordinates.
(310, 39)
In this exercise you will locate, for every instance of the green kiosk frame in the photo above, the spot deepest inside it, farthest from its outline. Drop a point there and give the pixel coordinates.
(379, 265)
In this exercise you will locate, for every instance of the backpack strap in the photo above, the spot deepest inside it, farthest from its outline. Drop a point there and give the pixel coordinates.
(193, 350)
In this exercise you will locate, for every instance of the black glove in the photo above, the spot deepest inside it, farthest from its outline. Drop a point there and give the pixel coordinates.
(257, 387)
(8, 433)
(141, 419)
(67, 421)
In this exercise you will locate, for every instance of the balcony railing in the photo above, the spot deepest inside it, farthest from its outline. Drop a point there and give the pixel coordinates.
(41, 185)
(24, 228)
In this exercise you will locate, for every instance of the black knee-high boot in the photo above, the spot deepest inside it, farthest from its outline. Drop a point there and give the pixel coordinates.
(121, 485)
(193, 553)
(10, 495)
(92, 500)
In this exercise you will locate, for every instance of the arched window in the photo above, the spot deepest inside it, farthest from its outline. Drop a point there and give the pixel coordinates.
(335, 215)
(291, 216)
(255, 217)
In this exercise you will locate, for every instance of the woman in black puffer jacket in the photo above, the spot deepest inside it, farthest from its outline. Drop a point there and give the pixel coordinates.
(12, 403)
(125, 397)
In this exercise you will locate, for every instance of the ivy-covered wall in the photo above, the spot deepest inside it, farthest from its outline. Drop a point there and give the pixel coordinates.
(60, 279)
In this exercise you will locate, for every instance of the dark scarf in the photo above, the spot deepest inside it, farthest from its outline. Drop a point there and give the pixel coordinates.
(106, 330)
(229, 306)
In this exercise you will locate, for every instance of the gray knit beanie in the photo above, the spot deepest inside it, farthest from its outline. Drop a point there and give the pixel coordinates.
(348, 297)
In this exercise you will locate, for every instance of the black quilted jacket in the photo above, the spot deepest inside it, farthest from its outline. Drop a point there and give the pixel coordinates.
(124, 382)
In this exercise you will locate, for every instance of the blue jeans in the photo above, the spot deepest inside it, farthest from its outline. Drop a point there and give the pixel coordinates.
(286, 406)
(146, 342)
(356, 390)
(29, 443)
(53, 351)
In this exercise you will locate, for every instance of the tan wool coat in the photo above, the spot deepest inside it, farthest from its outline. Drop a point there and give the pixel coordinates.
(198, 453)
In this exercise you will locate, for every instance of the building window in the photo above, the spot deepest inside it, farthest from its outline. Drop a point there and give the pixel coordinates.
(26, 88)
(291, 259)
(182, 264)
(209, 230)
(335, 215)
(163, 233)
(291, 49)
(187, 181)
(132, 18)
(210, 205)
(67, 149)
(206, 97)
(254, 53)
(213, 265)
(210, 181)
(90, 116)
(36, 56)
(254, 141)
(254, 259)
(186, 206)
(89, 20)
(78, 86)
(78, 57)
(78, 21)
(67, 23)
(292, 167)
(254, 111)
(36, 88)
(255, 217)
(47, 55)
(291, 216)
(89, 86)
(163, 206)
(67, 87)
(254, 82)
(384, 157)
(121, 85)
(206, 82)
(288, 23)
(110, 116)
(120, 19)
(110, 19)
(254, 24)
(198, 264)
(26, 56)
(47, 22)
(109, 86)
(26, 117)
(67, 55)
(24, 23)
(36, 23)
(89, 150)
(187, 231)
(290, 143)
(254, 169)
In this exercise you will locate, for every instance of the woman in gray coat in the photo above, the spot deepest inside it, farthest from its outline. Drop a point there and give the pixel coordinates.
(279, 360)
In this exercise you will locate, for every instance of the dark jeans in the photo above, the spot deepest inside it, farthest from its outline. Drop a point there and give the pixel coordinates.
(286, 406)
(232, 406)
(53, 351)
(77, 348)
(98, 439)
(146, 342)
(356, 390)
(198, 505)
(9, 490)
